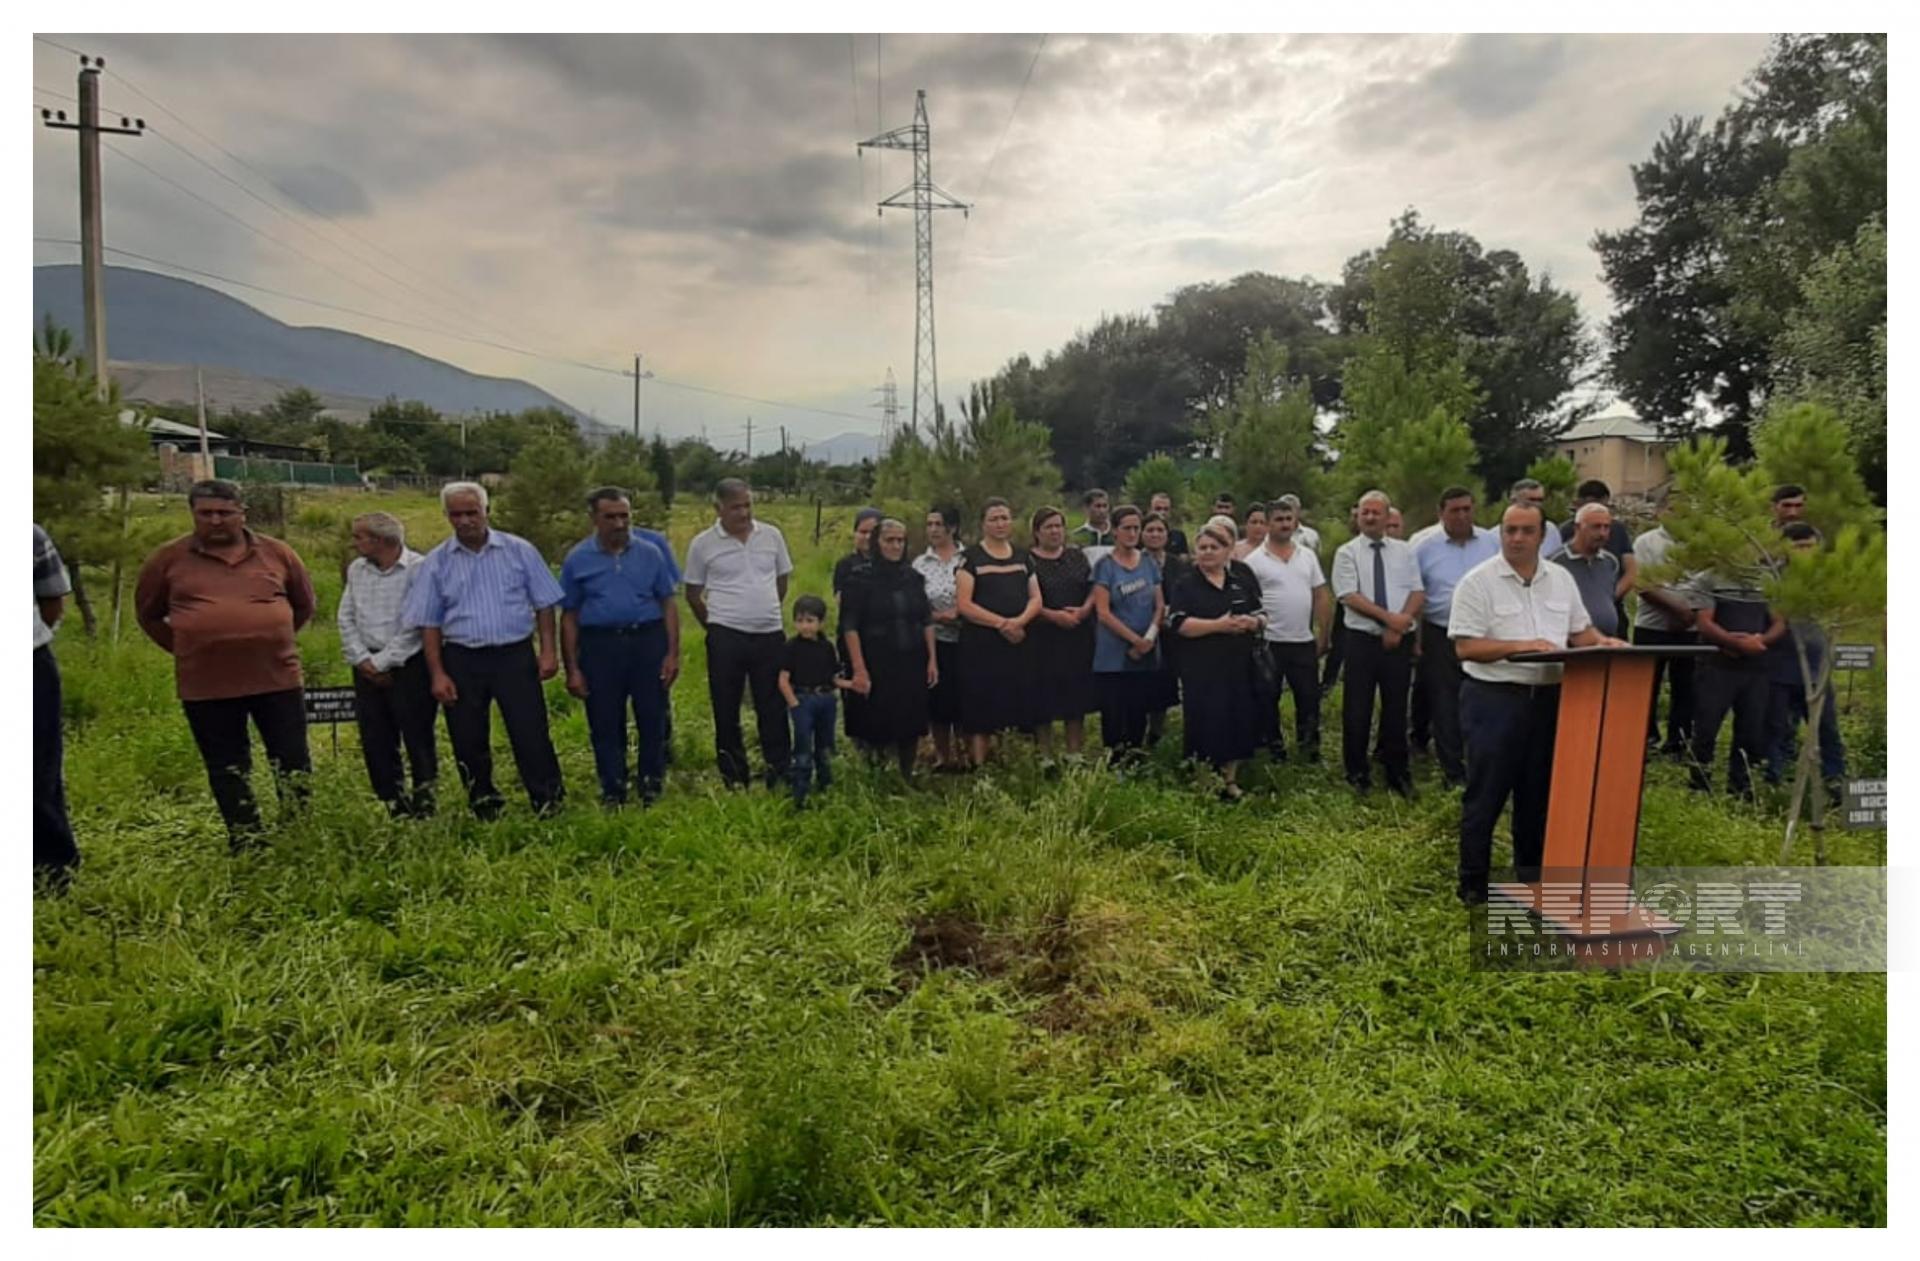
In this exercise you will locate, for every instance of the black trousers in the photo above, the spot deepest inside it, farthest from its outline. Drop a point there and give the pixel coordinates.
(1440, 679)
(1336, 653)
(737, 661)
(1680, 703)
(1509, 734)
(1298, 667)
(1370, 668)
(507, 675)
(1126, 702)
(1420, 724)
(1744, 692)
(220, 730)
(399, 714)
(54, 853)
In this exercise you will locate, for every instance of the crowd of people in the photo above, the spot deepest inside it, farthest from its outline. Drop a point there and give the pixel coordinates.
(956, 647)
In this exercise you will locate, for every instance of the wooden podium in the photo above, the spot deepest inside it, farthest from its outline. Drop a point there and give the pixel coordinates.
(1593, 815)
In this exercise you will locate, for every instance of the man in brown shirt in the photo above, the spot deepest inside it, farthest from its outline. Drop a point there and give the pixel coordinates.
(225, 602)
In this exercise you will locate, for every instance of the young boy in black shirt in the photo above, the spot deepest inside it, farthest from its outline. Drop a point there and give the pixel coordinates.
(809, 675)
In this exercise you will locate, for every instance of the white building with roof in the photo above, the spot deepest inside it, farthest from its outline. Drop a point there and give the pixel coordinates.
(1620, 449)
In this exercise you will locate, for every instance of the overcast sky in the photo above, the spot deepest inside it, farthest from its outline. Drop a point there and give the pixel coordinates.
(699, 199)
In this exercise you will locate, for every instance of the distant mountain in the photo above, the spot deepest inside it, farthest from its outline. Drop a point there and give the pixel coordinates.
(158, 327)
(846, 448)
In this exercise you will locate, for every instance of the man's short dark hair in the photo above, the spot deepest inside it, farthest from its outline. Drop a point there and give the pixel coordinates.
(595, 497)
(810, 606)
(1224, 497)
(1088, 498)
(1528, 506)
(728, 489)
(1452, 493)
(1593, 488)
(214, 488)
(1791, 490)
(1798, 531)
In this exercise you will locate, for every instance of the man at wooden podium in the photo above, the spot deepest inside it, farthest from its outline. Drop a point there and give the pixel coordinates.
(1512, 603)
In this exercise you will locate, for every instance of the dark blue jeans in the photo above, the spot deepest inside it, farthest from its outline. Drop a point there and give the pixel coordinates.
(813, 720)
(622, 669)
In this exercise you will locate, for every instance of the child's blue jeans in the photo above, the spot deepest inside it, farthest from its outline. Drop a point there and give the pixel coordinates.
(813, 722)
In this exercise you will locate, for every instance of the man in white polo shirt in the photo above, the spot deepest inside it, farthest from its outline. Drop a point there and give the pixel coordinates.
(1511, 604)
(736, 582)
(1293, 594)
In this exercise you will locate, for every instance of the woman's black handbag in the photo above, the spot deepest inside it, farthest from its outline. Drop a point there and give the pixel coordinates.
(1266, 675)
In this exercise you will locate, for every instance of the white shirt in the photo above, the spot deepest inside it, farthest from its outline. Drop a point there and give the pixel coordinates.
(1286, 591)
(1494, 602)
(1353, 574)
(370, 612)
(1307, 535)
(1651, 549)
(740, 579)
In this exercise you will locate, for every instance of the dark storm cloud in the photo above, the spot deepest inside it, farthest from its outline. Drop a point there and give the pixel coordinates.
(322, 189)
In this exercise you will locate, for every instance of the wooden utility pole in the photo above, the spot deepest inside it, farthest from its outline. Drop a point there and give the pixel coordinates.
(93, 250)
(638, 377)
(200, 408)
(749, 440)
(92, 244)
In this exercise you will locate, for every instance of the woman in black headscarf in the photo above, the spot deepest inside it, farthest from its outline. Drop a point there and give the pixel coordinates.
(889, 629)
(846, 571)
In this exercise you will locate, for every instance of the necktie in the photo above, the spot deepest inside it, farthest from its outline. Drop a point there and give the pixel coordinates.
(1380, 573)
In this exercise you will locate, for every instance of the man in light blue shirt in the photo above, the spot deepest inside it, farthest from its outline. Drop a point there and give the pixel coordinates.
(477, 600)
(620, 635)
(1445, 556)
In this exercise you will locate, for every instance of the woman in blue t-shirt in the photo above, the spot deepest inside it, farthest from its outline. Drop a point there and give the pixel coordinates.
(1127, 606)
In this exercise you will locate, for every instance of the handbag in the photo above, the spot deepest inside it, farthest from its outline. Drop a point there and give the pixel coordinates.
(1266, 674)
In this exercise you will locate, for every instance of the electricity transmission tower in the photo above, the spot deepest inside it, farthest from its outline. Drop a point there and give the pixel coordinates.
(889, 406)
(923, 197)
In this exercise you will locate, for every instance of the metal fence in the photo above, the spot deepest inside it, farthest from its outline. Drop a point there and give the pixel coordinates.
(285, 472)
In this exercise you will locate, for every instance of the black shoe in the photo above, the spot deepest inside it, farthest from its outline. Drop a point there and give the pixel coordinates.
(1361, 787)
(1471, 898)
(1404, 787)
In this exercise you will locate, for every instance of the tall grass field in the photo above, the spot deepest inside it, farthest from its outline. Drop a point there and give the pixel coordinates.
(1016, 998)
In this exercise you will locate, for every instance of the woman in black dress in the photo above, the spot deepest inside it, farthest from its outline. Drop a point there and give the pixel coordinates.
(1062, 636)
(846, 571)
(1216, 612)
(997, 596)
(1156, 540)
(889, 629)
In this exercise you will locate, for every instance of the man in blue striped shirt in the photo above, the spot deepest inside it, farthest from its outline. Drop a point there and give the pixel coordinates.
(1445, 557)
(477, 600)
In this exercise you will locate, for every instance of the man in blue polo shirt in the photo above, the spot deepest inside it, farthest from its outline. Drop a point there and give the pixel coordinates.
(620, 635)
(1445, 556)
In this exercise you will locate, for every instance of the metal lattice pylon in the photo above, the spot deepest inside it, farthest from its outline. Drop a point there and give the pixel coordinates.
(923, 197)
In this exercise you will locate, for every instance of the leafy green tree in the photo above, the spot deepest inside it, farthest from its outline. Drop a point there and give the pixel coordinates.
(1268, 445)
(665, 475)
(1722, 522)
(298, 407)
(81, 451)
(698, 466)
(1157, 473)
(1706, 279)
(1404, 431)
(545, 495)
(1833, 348)
(1435, 298)
(1557, 477)
(988, 454)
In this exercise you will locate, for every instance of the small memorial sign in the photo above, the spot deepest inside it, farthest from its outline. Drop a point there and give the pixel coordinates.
(1865, 803)
(1854, 656)
(330, 704)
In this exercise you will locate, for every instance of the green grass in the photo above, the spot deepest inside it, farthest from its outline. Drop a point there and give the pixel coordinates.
(1176, 1010)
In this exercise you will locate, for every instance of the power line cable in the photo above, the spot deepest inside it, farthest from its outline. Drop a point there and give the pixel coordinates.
(222, 211)
(461, 302)
(481, 341)
(986, 179)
